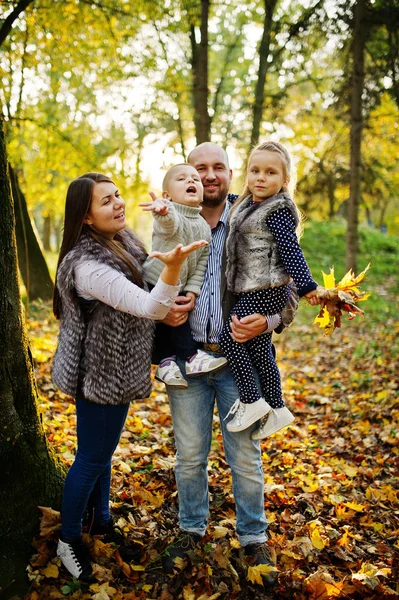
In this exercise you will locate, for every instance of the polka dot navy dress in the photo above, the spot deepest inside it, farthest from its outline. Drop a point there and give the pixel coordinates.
(258, 352)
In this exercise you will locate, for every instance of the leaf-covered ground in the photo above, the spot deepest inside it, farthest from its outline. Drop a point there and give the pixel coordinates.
(331, 482)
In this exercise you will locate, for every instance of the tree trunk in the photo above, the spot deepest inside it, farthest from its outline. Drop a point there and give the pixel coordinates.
(32, 263)
(199, 68)
(30, 474)
(57, 226)
(359, 39)
(264, 49)
(331, 196)
(47, 232)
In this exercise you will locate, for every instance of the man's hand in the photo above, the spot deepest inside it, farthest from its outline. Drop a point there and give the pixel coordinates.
(248, 327)
(178, 313)
(157, 205)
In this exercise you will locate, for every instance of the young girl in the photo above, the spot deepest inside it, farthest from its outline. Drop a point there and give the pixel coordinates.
(263, 255)
(103, 358)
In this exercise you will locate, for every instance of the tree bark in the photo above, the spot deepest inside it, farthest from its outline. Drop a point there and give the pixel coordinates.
(264, 49)
(47, 232)
(32, 263)
(199, 69)
(30, 474)
(331, 195)
(359, 40)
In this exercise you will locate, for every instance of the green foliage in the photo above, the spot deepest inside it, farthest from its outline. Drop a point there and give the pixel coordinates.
(96, 86)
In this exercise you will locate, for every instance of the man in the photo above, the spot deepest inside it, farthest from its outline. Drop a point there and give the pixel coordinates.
(192, 409)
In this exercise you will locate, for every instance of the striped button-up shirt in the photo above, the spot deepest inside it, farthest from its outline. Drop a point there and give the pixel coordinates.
(206, 319)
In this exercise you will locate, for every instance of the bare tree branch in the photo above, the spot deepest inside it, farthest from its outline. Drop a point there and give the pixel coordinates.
(12, 17)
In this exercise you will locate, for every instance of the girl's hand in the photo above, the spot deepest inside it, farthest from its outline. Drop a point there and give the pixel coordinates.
(178, 255)
(157, 205)
(312, 298)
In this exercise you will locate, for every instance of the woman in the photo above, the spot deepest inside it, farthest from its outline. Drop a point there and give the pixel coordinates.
(103, 358)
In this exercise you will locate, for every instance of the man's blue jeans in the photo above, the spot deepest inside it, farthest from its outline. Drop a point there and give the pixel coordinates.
(87, 484)
(192, 413)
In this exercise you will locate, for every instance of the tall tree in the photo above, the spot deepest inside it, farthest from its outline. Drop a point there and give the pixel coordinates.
(199, 68)
(264, 49)
(30, 474)
(32, 264)
(359, 41)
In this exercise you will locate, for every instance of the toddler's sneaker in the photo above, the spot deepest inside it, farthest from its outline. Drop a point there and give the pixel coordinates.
(275, 420)
(246, 414)
(76, 559)
(169, 373)
(204, 363)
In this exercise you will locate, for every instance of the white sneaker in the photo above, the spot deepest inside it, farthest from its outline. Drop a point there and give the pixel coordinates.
(275, 420)
(204, 363)
(76, 559)
(246, 414)
(169, 373)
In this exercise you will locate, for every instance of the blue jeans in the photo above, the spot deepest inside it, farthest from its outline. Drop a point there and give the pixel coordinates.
(88, 482)
(192, 414)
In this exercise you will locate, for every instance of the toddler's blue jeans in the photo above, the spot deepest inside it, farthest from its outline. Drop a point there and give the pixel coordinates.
(89, 479)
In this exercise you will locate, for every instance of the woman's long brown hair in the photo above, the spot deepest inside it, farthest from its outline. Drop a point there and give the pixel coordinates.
(77, 205)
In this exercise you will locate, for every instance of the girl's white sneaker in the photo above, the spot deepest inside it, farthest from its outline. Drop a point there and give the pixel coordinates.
(273, 422)
(246, 414)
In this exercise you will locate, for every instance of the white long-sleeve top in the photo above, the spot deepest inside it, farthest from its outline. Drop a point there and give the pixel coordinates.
(96, 280)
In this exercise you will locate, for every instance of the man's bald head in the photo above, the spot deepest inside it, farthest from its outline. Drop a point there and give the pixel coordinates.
(207, 148)
(212, 163)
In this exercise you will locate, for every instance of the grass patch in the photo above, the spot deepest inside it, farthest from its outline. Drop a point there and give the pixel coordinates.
(324, 246)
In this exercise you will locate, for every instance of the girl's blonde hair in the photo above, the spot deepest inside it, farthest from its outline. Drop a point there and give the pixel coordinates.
(286, 161)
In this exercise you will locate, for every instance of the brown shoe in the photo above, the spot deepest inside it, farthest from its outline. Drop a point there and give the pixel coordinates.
(259, 554)
(181, 548)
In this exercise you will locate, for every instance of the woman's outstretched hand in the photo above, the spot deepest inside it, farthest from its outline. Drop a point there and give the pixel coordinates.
(178, 255)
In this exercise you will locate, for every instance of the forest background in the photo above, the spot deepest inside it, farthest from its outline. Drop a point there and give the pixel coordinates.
(129, 88)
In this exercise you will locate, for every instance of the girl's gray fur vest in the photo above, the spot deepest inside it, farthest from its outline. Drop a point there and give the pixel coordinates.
(253, 260)
(116, 346)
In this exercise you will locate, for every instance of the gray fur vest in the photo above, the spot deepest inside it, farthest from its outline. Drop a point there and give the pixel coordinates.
(253, 260)
(116, 346)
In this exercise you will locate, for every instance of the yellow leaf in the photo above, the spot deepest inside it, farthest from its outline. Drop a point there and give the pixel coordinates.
(137, 567)
(254, 576)
(363, 297)
(349, 470)
(329, 280)
(312, 487)
(317, 540)
(188, 593)
(354, 506)
(51, 571)
(344, 540)
(219, 532)
(325, 321)
(334, 590)
(255, 573)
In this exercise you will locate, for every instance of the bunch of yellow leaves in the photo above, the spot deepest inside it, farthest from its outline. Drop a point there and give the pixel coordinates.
(335, 298)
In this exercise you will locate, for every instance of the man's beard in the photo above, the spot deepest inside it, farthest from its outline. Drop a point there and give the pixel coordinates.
(213, 202)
